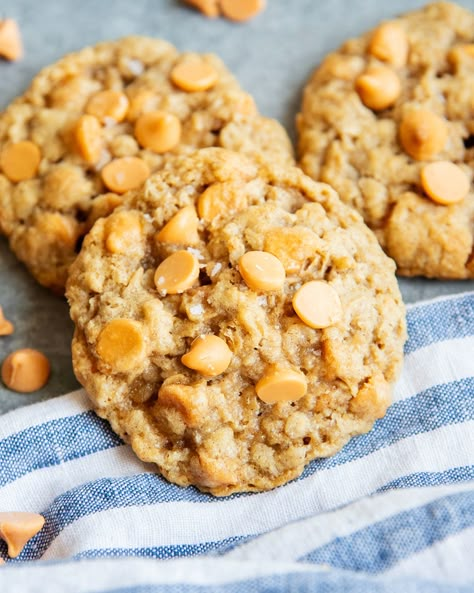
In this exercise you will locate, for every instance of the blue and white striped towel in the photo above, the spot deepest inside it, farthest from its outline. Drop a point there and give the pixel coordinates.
(393, 511)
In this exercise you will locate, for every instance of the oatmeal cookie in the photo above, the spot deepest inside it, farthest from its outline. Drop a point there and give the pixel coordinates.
(235, 321)
(96, 124)
(387, 120)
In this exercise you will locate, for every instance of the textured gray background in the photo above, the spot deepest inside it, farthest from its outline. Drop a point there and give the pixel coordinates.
(271, 55)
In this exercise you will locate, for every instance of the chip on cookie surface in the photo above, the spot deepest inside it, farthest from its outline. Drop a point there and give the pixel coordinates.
(381, 109)
(96, 124)
(208, 367)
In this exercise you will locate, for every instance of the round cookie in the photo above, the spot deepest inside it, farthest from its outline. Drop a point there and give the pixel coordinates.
(234, 321)
(96, 124)
(387, 120)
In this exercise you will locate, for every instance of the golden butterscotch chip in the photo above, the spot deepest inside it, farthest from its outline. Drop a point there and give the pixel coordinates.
(193, 75)
(209, 355)
(389, 44)
(220, 199)
(16, 529)
(317, 304)
(262, 271)
(281, 385)
(378, 87)
(444, 182)
(121, 345)
(235, 392)
(182, 229)
(122, 175)
(123, 232)
(208, 7)
(11, 46)
(158, 131)
(373, 399)
(89, 138)
(20, 161)
(177, 273)
(6, 327)
(241, 10)
(25, 370)
(422, 134)
(108, 105)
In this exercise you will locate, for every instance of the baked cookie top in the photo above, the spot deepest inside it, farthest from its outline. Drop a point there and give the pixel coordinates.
(96, 124)
(387, 120)
(234, 321)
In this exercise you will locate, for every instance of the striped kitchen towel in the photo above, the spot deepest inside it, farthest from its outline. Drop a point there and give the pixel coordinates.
(393, 511)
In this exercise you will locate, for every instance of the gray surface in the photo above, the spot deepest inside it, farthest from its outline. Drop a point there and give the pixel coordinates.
(271, 55)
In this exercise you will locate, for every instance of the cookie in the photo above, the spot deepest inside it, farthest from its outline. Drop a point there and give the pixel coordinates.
(387, 121)
(235, 321)
(96, 124)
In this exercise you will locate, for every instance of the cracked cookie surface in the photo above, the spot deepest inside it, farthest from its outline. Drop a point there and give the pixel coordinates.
(194, 337)
(381, 109)
(98, 122)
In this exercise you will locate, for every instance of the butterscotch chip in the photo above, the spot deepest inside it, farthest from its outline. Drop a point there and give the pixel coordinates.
(241, 10)
(281, 385)
(262, 271)
(317, 304)
(177, 272)
(121, 345)
(122, 175)
(219, 199)
(208, 7)
(389, 43)
(181, 229)
(20, 161)
(235, 392)
(108, 105)
(6, 327)
(159, 131)
(11, 46)
(16, 529)
(444, 182)
(208, 355)
(123, 232)
(378, 113)
(423, 134)
(194, 75)
(89, 138)
(25, 370)
(99, 105)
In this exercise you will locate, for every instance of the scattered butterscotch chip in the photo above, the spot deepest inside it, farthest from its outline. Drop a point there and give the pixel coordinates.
(11, 46)
(6, 327)
(444, 182)
(209, 355)
(281, 385)
(121, 344)
(124, 232)
(88, 133)
(108, 105)
(423, 134)
(207, 7)
(241, 10)
(193, 75)
(378, 87)
(221, 199)
(25, 370)
(262, 271)
(2, 561)
(16, 529)
(20, 161)
(122, 175)
(182, 229)
(158, 131)
(389, 44)
(317, 304)
(177, 273)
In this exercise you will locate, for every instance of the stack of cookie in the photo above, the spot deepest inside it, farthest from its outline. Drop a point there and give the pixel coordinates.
(235, 318)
